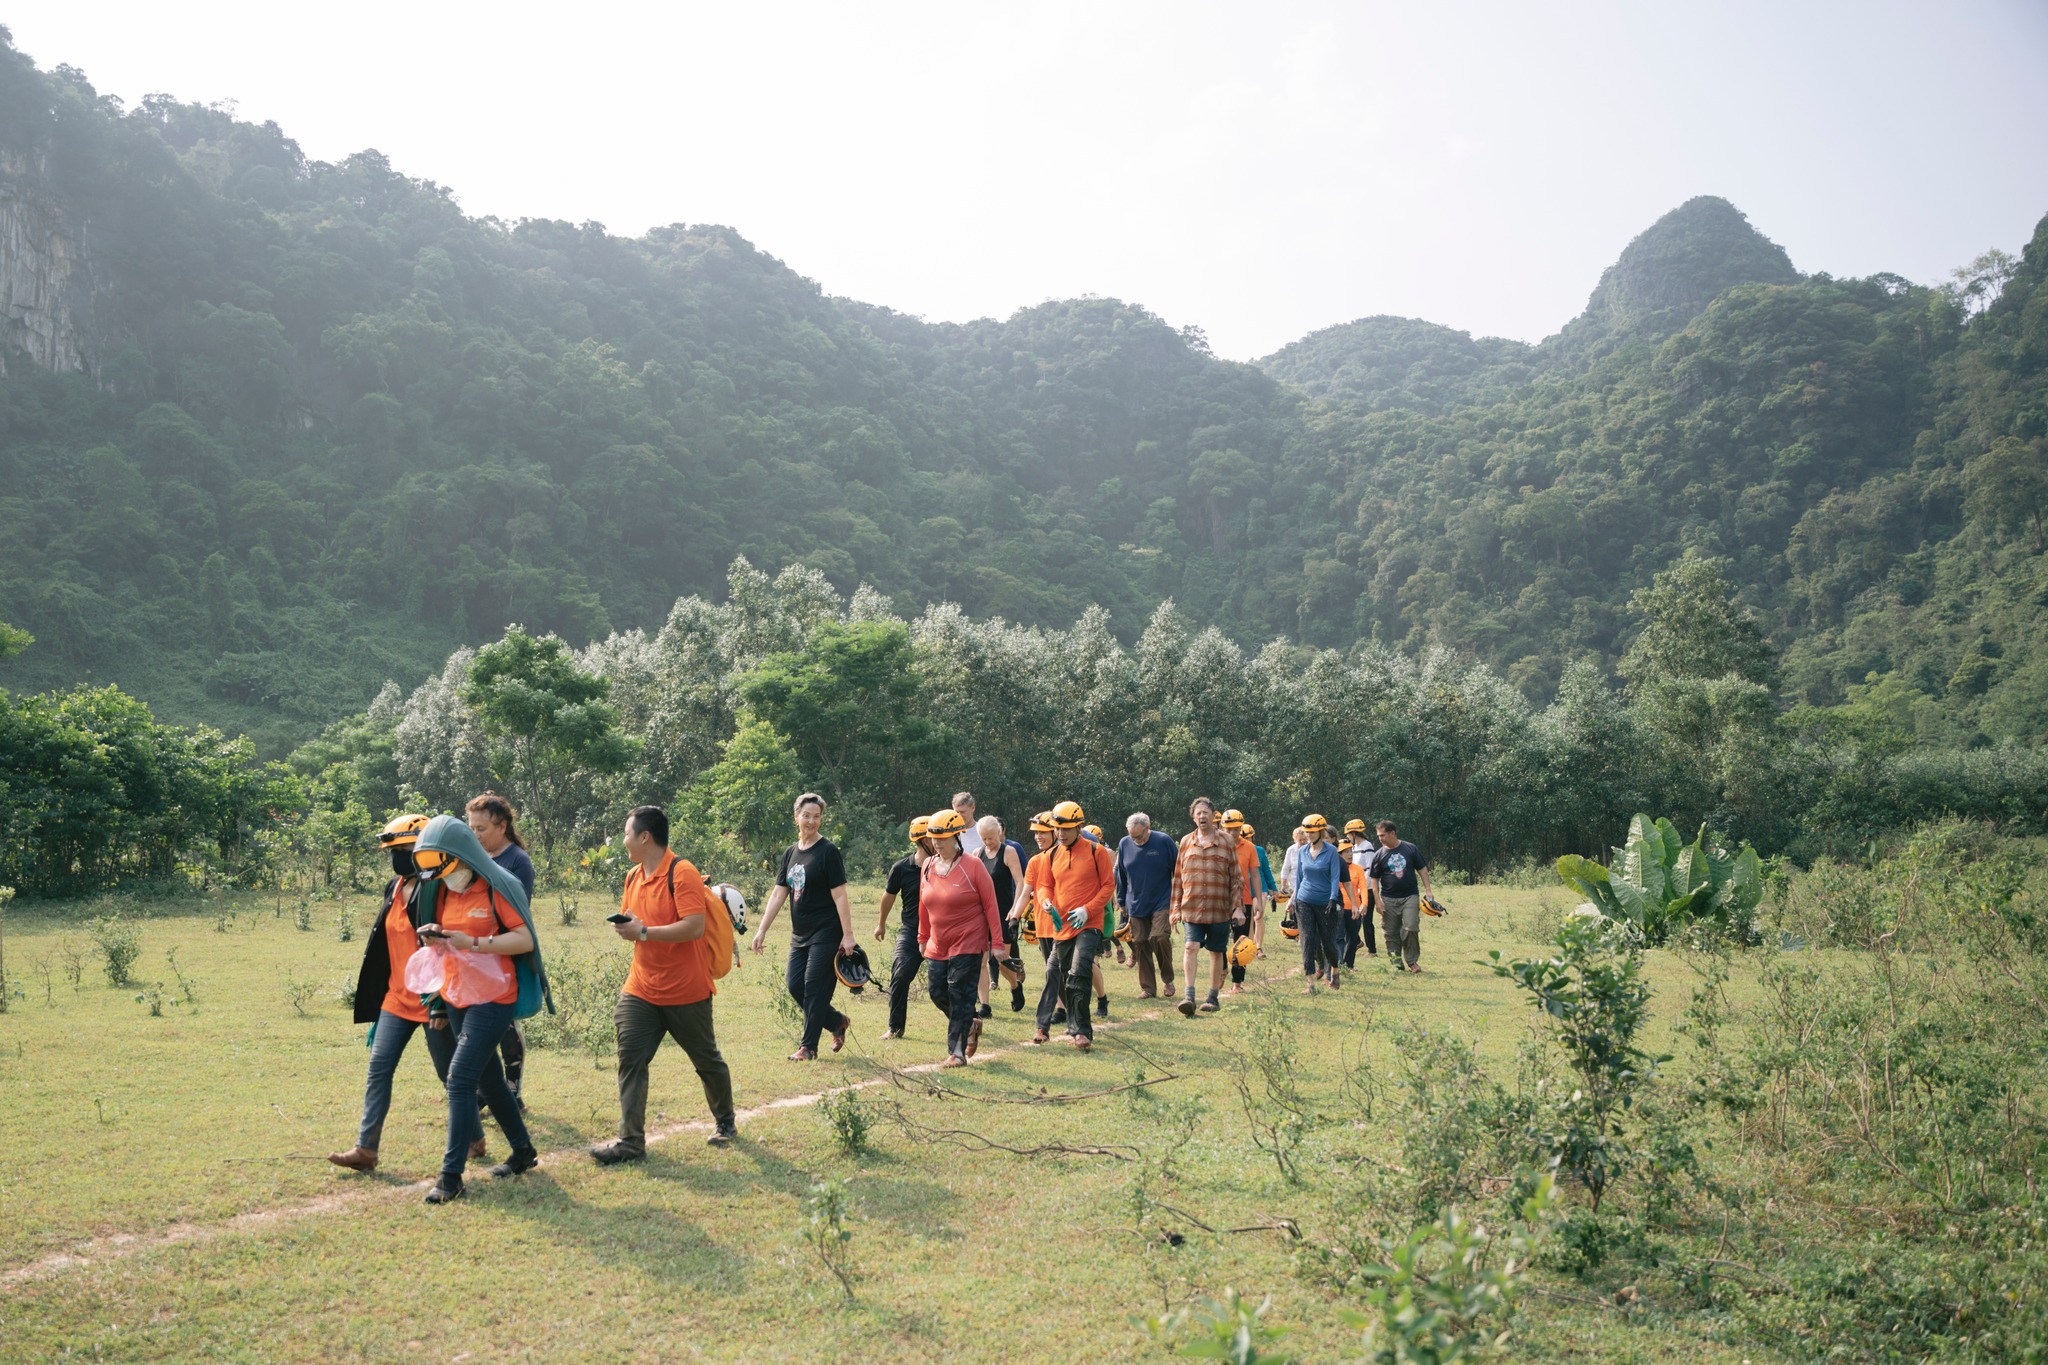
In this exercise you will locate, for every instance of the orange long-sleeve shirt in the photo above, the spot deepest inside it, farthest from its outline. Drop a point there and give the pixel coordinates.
(1083, 876)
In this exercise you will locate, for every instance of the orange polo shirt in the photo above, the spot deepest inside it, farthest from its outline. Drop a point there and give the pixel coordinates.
(1248, 864)
(667, 973)
(1084, 875)
(469, 911)
(400, 942)
(1038, 879)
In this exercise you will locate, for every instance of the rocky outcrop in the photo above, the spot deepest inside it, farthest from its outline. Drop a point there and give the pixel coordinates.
(46, 293)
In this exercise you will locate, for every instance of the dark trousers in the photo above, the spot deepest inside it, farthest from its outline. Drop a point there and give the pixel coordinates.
(1238, 931)
(1073, 961)
(473, 1072)
(393, 1033)
(954, 984)
(642, 1026)
(1152, 945)
(1321, 935)
(1366, 919)
(1053, 995)
(512, 1052)
(811, 983)
(903, 966)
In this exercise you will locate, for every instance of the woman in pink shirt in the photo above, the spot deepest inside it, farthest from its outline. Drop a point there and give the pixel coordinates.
(959, 923)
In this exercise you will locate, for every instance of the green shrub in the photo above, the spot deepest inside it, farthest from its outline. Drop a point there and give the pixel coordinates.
(850, 1119)
(119, 943)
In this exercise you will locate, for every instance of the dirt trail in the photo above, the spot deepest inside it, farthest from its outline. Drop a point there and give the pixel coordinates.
(120, 1245)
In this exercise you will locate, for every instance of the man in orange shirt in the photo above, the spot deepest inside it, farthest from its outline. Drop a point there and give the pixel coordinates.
(668, 989)
(1083, 881)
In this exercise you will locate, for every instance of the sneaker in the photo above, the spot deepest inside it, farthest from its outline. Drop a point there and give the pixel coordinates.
(446, 1190)
(612, 1153)
(839, 1038)
(984, 1011)
(1187, 1006)
(1016, 998)
(1102, 1006)
(1059, 1016)
(727, 1134)
(1211, 1005)
(522, 1160)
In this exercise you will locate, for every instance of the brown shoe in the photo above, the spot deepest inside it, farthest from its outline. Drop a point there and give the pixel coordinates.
(478, 1151)
(974, 1037)
(355, 1159)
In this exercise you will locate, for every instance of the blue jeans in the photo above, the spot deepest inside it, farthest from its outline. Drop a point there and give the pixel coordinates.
(393, 1033)
(474, 1068)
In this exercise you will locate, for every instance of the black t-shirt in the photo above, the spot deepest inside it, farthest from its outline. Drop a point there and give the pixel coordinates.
(903, 883)
(998, 869)
(812, 875)
(1395, 868)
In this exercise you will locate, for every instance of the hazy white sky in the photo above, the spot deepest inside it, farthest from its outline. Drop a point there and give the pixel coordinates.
(1257, 169)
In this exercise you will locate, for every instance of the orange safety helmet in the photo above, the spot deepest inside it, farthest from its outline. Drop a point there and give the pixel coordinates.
(1233, 819)
(402, 832)
(946, 824)
(920, 828)
(1313, 823)
(1244, 951)
(1068, 815)
(1041, 823)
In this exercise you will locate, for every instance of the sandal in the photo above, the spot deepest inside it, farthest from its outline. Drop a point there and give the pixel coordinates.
(954, 1059)
(1038, 1037)
(803, 1054)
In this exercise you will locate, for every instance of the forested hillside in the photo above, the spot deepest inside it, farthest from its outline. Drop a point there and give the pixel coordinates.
(273, 431)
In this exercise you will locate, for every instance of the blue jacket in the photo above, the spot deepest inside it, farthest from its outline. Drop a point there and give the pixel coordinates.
(1144, 874)
(1316, 876)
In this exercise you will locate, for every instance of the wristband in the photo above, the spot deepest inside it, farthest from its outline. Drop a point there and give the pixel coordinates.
(643, 931)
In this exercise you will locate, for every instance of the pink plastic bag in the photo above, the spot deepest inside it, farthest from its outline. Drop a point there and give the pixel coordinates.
(474, 978)
(425, 968)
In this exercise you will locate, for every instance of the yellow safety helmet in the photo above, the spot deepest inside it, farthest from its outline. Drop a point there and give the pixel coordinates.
(434, 862)
(1288, 925)
(1248, 831)
(1434, 908)
(402, 832)
(1041, 823)
(1123, 930)
(920, 828)
(946, 824)
(1233, 818)
(1244, 951)
(1068, 815)
(1094, 831)
(1354, 826)
(1343, 845)
(1027, 927)
(1314, 823)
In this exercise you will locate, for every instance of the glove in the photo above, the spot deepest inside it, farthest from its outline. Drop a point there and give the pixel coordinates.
(1076, 918)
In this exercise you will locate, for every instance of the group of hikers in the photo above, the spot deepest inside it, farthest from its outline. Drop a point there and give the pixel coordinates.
(454, 952)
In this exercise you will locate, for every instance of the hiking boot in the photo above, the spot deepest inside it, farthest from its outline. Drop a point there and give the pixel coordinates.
(984, 1011)
(839, 1038)
(522, 1160)
(1211, 1005)
(1059, 1016)
(479, 1150)
(612, 1153)
(1186, 1006)
(1016, 998)
(355, 1159)
(446, 1190)
(1102, 1006)
(727, 1134)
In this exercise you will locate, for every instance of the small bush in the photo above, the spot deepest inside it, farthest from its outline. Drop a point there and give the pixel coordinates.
(302, 915)
(119, 943)
(152, 995)
(345, 926)
(568, 908)
(297, 992)
(850, 1118)
(1228, 1329)
(586, 990)
(825, 1228)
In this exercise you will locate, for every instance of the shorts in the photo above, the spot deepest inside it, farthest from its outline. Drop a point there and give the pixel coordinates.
(1214, 937)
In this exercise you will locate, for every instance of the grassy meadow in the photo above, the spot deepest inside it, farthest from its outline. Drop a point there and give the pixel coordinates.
(163, 1193)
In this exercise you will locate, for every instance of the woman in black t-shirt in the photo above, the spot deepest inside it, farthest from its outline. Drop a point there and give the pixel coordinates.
(811, 880)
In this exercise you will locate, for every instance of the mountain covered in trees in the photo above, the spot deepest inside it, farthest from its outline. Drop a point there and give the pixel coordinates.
(274, 431)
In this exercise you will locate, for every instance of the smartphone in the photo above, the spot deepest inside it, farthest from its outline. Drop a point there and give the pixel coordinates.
(431, 931)
(616, 919)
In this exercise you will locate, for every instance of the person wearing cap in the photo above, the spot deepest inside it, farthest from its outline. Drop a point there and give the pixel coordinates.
(1268, 887)
(1251, 892)
(1083, 880)
(1109, 936)
(1144, 882)
(1319, 874)
(904, 876)
(1207, 885)
(382, 1000)
(480, 909)
(1034, 898)
(960, 923)
(1357, 848)
(669, 990)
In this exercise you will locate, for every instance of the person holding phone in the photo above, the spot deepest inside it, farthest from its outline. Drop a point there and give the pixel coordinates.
(480, 908)
(668, 990)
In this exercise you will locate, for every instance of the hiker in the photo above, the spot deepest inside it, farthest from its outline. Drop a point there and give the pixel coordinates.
(1267, 886)
(1319, 873)
(961, 924)
(970, 837)
(1207, 886)
(1395, 867)
(904, 875)
(481, 914)
(1251, 891)
(1300, 837)
(382, 1000)
(669, 987)
(811, 880)
(490, 818)
(1082, 879)
(1358, 849)
(1034, 899)
(1110, 935)
(1000, 858)
(1144, 882)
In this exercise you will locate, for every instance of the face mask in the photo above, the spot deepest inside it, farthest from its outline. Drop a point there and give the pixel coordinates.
(458, 878)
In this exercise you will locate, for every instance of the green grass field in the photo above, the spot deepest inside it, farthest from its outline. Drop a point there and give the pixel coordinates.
(163, 1196)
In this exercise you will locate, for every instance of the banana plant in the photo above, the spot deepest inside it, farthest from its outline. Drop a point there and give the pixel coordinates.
(1657, 882)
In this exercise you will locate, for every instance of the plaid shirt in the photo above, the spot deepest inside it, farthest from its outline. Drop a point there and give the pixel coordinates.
(1206, 882)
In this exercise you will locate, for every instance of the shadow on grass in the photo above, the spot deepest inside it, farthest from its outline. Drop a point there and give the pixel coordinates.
(654, 1242)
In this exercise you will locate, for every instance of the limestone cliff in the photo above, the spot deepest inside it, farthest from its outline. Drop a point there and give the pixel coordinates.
(46, 291)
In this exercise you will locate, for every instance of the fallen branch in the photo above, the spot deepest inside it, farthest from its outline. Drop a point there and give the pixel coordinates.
(1760, 1274)
(926, 1086)
(975, 1142)
(1286, 1225)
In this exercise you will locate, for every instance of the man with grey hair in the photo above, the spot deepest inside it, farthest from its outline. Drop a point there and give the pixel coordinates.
(1144, 882)
(970, 838)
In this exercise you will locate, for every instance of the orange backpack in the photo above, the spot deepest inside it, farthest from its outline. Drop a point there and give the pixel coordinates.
(718, 933)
